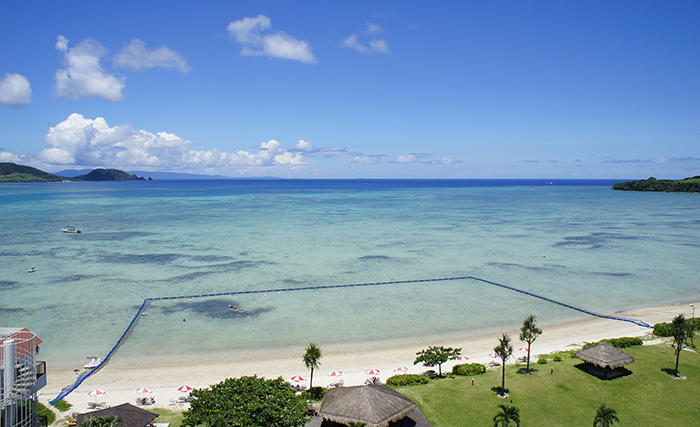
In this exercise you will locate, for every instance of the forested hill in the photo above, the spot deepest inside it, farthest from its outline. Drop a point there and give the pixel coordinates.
(686, 185)
(107, 175)
(12, 172)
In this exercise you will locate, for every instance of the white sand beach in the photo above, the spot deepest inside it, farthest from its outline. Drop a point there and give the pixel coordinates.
(121, 378)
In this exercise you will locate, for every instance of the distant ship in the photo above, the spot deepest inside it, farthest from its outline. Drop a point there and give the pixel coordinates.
(71, 229)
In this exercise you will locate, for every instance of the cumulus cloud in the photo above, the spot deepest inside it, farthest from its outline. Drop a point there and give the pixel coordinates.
(61, 43)
(82, 141)
(255, 36)
(304, 145)
(82, 75)
(9, 157)
(367, 44)
(407, 158)
(136, 56)
(15, 90)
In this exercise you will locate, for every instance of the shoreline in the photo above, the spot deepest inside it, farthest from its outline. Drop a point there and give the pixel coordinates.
(121, 377)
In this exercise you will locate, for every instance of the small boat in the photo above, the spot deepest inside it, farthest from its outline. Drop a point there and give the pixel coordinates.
(71, 229)
(31, 270)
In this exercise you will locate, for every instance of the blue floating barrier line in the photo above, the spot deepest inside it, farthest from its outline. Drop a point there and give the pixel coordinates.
(82, 377)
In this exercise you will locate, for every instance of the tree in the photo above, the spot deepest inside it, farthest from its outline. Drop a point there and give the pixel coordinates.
(312, 360)
(679, 331)
(605, 417)
(101, 422)
(504, 350)
(247, 401)
(437, 355)
(507, 414)
(529, 333)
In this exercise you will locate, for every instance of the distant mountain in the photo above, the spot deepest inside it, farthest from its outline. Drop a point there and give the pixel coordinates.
(70, 173)
(685, 185)
(12, 172)
(107, 175)
(165, 176)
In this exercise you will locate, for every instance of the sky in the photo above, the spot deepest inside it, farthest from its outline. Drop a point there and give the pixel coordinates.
(353, 89)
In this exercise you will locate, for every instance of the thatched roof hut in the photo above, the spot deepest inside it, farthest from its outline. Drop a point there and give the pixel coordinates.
(129, 415)
(605, 360)
(375, 405)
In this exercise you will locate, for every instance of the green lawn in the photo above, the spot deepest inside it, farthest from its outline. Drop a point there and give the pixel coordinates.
(569, 396)
(168, 416)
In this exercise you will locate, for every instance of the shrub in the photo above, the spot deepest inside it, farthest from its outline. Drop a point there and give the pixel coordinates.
(468, 369)
(541, 361)
(316, 393)
(664, 329)
(43, 411)
(625, 342)
(407, 379)
(556, 358)
(62, 405)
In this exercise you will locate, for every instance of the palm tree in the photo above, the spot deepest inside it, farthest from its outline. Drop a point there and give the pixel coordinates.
(605, 417)
(503, 350)
(529, 333)
(679, 332)
(312, 358)
(507, 414)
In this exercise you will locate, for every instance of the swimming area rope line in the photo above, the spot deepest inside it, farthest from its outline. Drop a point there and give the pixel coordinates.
(82, 377)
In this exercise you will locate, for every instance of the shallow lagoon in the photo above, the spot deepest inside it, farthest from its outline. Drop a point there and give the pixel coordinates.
(576, 241)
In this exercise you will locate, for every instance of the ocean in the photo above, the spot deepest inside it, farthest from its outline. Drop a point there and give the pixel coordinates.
(576, 241)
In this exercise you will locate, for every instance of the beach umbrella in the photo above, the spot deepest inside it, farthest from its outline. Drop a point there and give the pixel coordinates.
(144, 390)
(96, 392)
(462, 358)
(298, 379)
(401, 369)
(373, 372)
(493, 356)
(523, 349)
(336, 374)
(185, 388)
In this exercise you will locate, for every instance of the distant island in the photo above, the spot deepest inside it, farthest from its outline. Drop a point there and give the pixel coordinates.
(12, 172)
(686, 185)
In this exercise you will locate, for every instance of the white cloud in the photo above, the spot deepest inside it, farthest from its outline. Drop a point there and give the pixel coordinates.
(369, 159)
(252, 33)
(81, 141)
(83, 75)
(448, 161)
(374, 45)
(135, 55)
(373, 29)
(9, 157)
(61, 43)
(407, 158)
(304, 145)
(15, 90)
(379, 45)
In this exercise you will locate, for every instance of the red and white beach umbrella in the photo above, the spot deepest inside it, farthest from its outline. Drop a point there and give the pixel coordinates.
(96, 392)
(144, 390)
(336, 374)
(462, 358)
(372, 372)
(185, 388)
(401, 369)
(298, 379)
(493, 356)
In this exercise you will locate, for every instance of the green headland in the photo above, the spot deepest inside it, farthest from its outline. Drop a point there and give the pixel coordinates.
(685, 185)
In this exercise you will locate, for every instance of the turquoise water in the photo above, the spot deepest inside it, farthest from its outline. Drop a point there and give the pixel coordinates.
(575, 241)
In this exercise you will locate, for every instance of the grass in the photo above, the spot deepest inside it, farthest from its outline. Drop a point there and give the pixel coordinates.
(569, 396)
(168, 416)
(62, 405)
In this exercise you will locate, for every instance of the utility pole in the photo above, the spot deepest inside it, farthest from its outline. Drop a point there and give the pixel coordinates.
(692, 326)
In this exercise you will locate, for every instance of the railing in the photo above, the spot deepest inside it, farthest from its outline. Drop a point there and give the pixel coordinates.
(18, 398)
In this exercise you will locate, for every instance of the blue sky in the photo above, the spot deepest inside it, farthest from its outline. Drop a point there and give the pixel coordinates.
(354, 89)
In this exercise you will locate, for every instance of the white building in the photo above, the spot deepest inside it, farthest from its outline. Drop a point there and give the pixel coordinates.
(21, 376)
